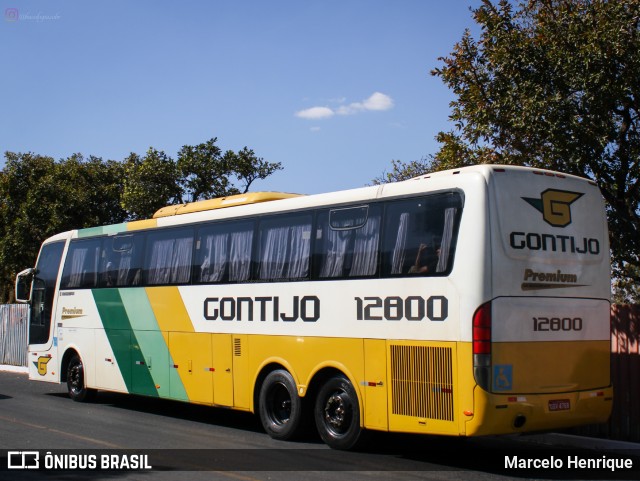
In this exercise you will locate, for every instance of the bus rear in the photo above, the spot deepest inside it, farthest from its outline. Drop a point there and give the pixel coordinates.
(541, 343)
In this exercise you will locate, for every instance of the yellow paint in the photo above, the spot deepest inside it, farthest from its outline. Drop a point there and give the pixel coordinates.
(222, 202)
(241, 381)
(375, 384)
(42, 365)
(142, 224)
(465, 387)
(495, 413)
(554, 366)
(191, 353)
(169, 309)
(223, 373)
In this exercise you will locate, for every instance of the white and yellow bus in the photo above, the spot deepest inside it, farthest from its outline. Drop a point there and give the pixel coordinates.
(465, 302)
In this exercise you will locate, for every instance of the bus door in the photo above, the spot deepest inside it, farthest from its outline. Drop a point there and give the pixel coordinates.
(42, 344)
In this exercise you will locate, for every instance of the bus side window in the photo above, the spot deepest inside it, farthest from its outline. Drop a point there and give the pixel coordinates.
(284, 247)
(223, 253)
(420, 235)
(168, 257)
(83, 264)
(348, 241)
(122, 266)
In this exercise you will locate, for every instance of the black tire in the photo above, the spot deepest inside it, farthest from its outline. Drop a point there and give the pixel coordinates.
(76, 382)
(337, 414)
(280, 406)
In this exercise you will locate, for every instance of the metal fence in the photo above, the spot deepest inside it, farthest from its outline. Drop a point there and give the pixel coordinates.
(13, 334)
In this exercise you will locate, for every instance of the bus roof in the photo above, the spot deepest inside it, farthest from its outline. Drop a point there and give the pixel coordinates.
(248, 204)
(222, 202)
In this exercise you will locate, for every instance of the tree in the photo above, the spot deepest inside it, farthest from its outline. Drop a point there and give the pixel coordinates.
(200, 172)
(207, 173)
(553, 84)
(150, 182)
(40, 197)
(404, 171)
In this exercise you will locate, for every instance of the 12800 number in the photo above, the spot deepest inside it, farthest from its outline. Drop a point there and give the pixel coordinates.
(394, 308)
(557, 324)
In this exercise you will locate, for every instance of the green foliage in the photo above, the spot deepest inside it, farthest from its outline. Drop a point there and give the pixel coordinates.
(200, 172)
(40, 197)
(554, 84)
(404, 171)
(150, 182)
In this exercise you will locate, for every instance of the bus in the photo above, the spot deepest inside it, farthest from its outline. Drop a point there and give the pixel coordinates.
(466, 302)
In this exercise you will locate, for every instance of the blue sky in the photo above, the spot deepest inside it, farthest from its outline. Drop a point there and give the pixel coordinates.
(332, 89)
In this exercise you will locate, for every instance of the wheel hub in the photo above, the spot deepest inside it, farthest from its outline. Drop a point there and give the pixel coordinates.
(335, 411)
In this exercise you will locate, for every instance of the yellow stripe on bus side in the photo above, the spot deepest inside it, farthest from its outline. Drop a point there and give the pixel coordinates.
(142, 224)
(191, 352)
(169, 309)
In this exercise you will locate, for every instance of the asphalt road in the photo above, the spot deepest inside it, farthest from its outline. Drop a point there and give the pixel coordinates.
(182, 441)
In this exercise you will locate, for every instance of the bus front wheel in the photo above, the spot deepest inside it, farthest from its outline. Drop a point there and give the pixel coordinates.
(280, 406)
(337, 414)
(76, 382)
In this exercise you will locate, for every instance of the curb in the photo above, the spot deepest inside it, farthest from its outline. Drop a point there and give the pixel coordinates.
(19, 369)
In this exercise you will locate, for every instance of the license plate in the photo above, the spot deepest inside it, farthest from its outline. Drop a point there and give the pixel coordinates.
(559, 405)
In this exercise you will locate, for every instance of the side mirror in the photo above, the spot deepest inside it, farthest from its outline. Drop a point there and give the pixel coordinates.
(23, 285)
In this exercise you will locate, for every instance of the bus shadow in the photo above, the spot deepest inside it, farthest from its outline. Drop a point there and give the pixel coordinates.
(176, 409)
(383, 452)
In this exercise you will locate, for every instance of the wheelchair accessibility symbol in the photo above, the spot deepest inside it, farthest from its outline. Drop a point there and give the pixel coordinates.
(502, 377)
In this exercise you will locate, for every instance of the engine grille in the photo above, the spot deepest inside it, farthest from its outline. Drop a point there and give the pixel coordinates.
(422, 382)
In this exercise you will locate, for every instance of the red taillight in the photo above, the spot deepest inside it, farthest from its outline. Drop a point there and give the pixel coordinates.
(482, 329)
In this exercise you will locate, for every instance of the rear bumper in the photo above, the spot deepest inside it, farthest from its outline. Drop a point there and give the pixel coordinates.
(518, 413)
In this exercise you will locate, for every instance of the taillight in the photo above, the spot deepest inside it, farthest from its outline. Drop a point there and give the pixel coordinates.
(482, 329)
(482, 346)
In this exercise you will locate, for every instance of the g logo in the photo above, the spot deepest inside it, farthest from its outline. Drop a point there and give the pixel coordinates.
(555, 206)
(42, 364)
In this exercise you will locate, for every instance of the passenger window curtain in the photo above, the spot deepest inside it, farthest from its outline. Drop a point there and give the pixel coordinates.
(240, 256)
(127, 272)
(365, 248)
(124, 267)
(285, 252)
(170, 261)
(226, 251)
(335, 252)
(399, 251)
(84, 267)
(214, 263)
(447, 237)
(77, 267)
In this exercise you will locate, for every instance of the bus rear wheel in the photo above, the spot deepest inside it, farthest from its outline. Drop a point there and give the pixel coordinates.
(337, 414)
(76, 382)
(280, 406)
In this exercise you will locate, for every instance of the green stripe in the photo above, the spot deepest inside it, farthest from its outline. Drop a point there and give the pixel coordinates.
(105, 229)
(152, 344)
(124, 342)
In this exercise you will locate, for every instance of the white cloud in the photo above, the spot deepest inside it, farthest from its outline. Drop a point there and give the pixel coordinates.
(376, 102)
(315, 113)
